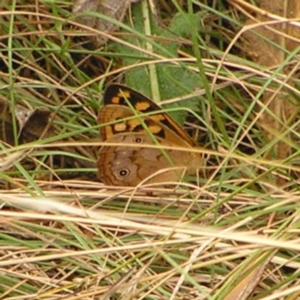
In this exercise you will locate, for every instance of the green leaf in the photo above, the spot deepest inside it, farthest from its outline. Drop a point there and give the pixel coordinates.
(174, 79)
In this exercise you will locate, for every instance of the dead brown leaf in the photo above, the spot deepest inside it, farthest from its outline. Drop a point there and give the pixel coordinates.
(115, 9)
(31, 124)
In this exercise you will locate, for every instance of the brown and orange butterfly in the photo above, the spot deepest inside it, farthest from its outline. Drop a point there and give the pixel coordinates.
(133, 125)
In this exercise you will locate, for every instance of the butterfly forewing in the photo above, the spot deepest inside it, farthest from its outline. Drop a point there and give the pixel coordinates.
(116, 94)
(122, 124)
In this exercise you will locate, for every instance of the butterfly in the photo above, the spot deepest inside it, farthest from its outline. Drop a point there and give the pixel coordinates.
(134, 125)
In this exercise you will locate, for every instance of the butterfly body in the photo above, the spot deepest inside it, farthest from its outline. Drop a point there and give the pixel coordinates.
(138, 131)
